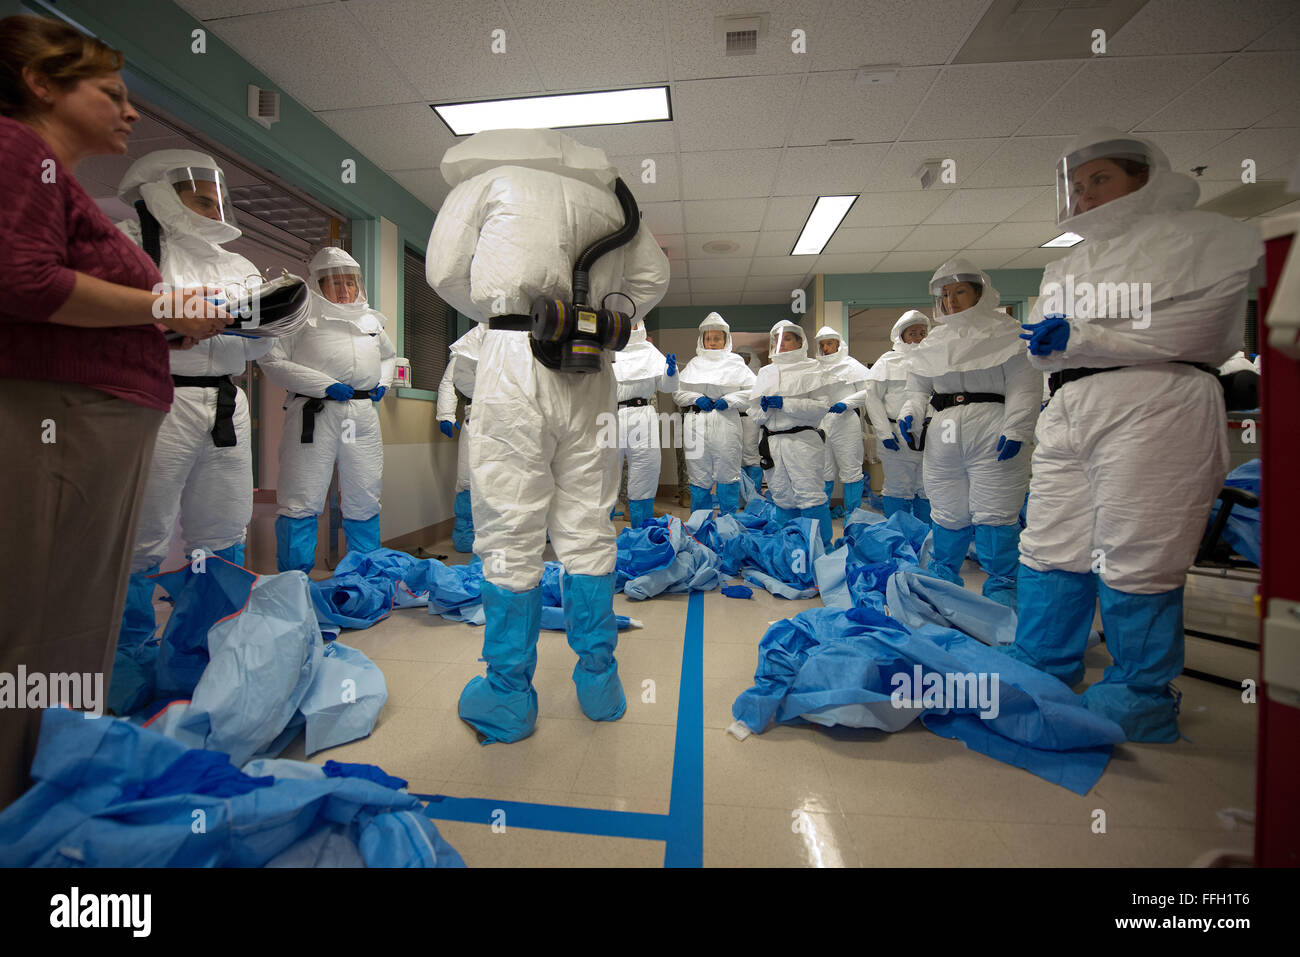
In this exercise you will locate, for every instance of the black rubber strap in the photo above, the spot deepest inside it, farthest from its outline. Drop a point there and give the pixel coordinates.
(223, 431)
(946, 400)
(512, 323)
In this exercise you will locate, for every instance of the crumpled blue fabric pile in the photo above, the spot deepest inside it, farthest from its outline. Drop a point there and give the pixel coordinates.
(664, 557)
(109, 793)
(1242, 531)
(863, 669)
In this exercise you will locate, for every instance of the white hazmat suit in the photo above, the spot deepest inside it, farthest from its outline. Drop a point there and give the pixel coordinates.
(459, 377)
(846, 380)
(523, 205)
(904, 487)
(641, 371)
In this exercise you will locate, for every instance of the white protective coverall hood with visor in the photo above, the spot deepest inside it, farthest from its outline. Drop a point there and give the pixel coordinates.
(790, 401)
(523, 205)
(641, 371)
(904, 488)
(1132, 448)
(202, 467)
(712, 391)
(334, 369)
(973, 369)
(846, 379)
(458, 377)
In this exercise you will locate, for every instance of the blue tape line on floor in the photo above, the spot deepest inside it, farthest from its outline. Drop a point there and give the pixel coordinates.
(548, 817)
(686, 805)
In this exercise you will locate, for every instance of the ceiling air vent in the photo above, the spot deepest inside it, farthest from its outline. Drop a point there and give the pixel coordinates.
(263, 106)
(740, 35)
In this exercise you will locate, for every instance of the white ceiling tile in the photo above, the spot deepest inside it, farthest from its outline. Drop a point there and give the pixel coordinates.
(724, 215)
(426, 185)
(662, 217)
(684, 300)
(763, 298)
(827, 170)
(697, 52)
(1211, 189)
(846, 263)
(1283, 117)
(715, 300)
(914, 262)
(834, 107)
(781, 265)
(1245, 90)
(942, 237)
(1197, 26)
(209, 9)
(673, 245)
(986, 99)
(786, 284)
(302, 56)
(604, 27)
(1269, 148)
(728, 174)
(745, 241)
(1282, 35)
(788, 212)
(981, 205)
(1185, 149)
(992, 258)
(679, 286)
(1035, 258)
(776, 242)
(869, 239)
(728, 284)
(1111, 91)
(678, 268)
(1010, 235)
(896, 172)
(407, 136)
(628, 139)
(907, 32)
(1021, 161)
(893, 209)
(1286, 210)
(753, 112)
(720, 267)
(1040, 209)
(666, 186)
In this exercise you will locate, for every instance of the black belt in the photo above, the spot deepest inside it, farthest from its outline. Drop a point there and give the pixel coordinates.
(744, 415)
(314, 405)
(223, 432)
(765, 449)
(513, 323)
(637, 403)
(1057, 379)
(688, 409)
(947, 400)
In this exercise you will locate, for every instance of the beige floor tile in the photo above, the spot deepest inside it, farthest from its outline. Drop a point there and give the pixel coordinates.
(770, 837)
(719, 695)
(652, 655)
(549, 759)
(729, 660)
(640, 803)
(407, 679)
(926, 842)
(1175, 786)
(442, 692)
(654, 703)
(782, 768)
(525, 847)
(633, 761)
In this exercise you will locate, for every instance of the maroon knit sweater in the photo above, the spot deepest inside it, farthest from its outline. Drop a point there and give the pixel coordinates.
(49, 232)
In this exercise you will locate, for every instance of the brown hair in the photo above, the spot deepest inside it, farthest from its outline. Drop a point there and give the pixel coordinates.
(62, 54)
(1135, 168)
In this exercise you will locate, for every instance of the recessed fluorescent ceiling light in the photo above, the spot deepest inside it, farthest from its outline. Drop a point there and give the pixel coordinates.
(822, 223)
(1065, 239)
(553, 112)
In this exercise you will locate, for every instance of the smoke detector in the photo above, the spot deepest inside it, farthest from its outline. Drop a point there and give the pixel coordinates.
(263, 106)
(739, 36)
(721, 246)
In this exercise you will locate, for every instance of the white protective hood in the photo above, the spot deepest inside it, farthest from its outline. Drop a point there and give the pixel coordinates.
(358, 313)
(146, 179)
(793, 373)
(1154, 235)
(639, 359)
(715, 367)
(545, 150)
(839, 365)
(980, 337)
(893, 365)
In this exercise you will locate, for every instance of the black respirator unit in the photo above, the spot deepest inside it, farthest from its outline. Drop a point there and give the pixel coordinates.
(570, 336)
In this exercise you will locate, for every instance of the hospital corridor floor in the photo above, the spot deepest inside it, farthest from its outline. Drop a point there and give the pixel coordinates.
(667, 785)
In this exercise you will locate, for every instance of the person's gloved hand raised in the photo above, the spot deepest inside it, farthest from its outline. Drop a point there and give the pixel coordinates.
(771, 402)
(890, 443)
(378, 393)
(905, 430)
(672, 364)
(446, 429)
(704, 404)
(340, 392)
(1050, 335)
(839, 407)
(1007, 448)
(719, 405)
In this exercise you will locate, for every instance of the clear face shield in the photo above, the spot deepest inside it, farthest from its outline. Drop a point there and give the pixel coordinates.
(915, 333)
(1093, 176)
(713, 339)
(783, 340)
(828, 346)
(341, 285)
(954, 294)
(203, 191)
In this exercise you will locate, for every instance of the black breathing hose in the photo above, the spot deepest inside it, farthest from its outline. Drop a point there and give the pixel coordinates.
(621, 237)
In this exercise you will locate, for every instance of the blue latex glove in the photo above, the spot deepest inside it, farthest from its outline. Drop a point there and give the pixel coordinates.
(1048, 336)
(839, 407)
(377, 393)
(704, 404)
(672, 364)
(446, 429)
(1007, 448)
(905, 429)
(890, 443)
(737, 591)
(367, 772)
(719, 405)
(771, 402)
(339, 392)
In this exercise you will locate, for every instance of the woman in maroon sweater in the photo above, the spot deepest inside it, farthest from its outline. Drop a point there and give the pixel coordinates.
(84, 377)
